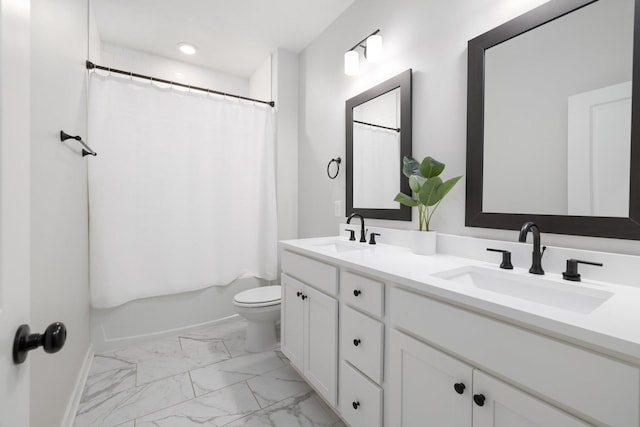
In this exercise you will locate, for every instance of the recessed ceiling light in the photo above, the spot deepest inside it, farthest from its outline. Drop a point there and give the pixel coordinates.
(186, 48)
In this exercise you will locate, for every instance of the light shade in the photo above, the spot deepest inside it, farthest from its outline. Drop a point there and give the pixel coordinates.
(374, 48)
(351, 63)
(186, 48)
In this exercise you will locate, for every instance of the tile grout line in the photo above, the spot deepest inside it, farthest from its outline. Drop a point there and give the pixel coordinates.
(192, 386)
(253, 394)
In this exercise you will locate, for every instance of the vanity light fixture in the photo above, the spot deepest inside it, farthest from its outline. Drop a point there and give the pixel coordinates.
(372, 46)
(351, 63)
(187, 49)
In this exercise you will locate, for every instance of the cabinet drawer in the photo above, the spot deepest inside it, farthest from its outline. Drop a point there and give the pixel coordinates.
(315, 273)
(362, 292)
(593, 385)
(361, 341)
(360, 399)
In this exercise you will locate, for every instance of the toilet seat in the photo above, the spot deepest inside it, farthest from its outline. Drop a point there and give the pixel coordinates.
(263, 296)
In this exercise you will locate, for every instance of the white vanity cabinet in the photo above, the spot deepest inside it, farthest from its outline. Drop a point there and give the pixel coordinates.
(405, 357)
(309, 321)
(433, 387)
(361, 350)
(592, 386)
(426, 384)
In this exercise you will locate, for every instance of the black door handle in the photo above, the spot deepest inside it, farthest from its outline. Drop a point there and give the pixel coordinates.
(52, 341)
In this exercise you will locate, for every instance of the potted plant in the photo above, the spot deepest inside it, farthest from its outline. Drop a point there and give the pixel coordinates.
(427, 188)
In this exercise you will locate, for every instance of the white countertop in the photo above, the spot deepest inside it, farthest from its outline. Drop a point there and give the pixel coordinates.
(612, 328)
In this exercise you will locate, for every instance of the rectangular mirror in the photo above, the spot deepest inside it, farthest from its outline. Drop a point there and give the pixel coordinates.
(378, 124)
(550, 135)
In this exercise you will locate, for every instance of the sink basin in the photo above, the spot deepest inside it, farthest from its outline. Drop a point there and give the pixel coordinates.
(566, 296)
(338, 246)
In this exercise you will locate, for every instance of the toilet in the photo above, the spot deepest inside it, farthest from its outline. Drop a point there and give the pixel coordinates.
(261, 307)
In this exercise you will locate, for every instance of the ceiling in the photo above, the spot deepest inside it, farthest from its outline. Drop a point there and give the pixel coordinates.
(233, 36)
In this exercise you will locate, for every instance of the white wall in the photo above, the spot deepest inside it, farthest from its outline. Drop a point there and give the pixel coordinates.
(59, 236)
(277, 79)
(286, 98)
(430, 37)
(157, 66)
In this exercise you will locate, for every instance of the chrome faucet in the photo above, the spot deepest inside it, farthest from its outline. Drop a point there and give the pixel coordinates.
(536, 265)
(363, 237)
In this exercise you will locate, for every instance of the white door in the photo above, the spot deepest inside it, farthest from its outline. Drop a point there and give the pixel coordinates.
(14, 206)
(292, 315)
(321, 342)
(599, 143)
(427, 387)
(505, 406)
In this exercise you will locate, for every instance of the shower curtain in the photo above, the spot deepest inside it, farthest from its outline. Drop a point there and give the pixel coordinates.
(372, 149)
(182, 193)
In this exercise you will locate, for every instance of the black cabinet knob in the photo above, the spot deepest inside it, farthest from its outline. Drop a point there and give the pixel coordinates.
(459, 387)
(52, 341)
(356, 292)
(304, 297)
(356, 342)
(355, 405)
(479, 399)
(298, 294)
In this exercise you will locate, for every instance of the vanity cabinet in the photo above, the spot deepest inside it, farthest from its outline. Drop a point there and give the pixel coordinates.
(406, 358)
(591, 385)
(309, 322)
(361, 350)
(428, 384)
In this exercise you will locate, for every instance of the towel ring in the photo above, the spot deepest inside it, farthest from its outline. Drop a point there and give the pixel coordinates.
(337, 161)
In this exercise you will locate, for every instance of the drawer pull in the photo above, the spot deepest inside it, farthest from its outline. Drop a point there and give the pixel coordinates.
(304, 297)
(479, 399)
(355, 405)
(356, 342)
(356, 292)
(299, 294)
(459, 388)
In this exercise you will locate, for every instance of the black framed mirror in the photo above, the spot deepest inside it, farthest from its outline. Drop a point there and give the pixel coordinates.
(378, 128)
(553, 121)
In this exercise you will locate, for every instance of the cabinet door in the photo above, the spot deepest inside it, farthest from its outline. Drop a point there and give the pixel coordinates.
(321, 342)
(505, 406)
(423, 388)
(291, 321)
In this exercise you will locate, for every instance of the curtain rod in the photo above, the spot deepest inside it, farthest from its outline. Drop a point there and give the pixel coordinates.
(376, 126)
(91, 66)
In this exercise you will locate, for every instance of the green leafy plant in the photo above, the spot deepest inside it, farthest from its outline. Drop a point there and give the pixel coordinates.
(426, 185)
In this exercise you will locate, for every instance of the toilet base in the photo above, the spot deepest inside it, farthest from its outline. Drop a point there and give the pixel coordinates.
(261, 336)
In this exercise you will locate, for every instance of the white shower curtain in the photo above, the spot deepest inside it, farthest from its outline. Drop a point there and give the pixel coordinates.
(182, 193)
(375, 179)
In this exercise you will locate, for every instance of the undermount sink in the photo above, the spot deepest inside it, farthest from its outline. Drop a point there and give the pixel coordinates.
(566, 296)
(340, 246)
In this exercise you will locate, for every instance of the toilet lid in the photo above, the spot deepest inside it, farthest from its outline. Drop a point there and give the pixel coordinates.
(260, 295)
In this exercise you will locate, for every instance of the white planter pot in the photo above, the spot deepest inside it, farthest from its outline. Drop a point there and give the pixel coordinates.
(424, 242)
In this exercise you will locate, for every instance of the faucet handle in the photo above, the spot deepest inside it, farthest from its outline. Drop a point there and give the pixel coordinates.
(506, 258)
(372, 238)
(352, 236)
(572, 269)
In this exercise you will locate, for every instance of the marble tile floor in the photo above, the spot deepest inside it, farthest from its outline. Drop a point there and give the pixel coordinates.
(200, 378)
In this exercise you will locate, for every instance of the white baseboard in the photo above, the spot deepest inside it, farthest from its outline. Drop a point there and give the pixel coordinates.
(74, 402)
